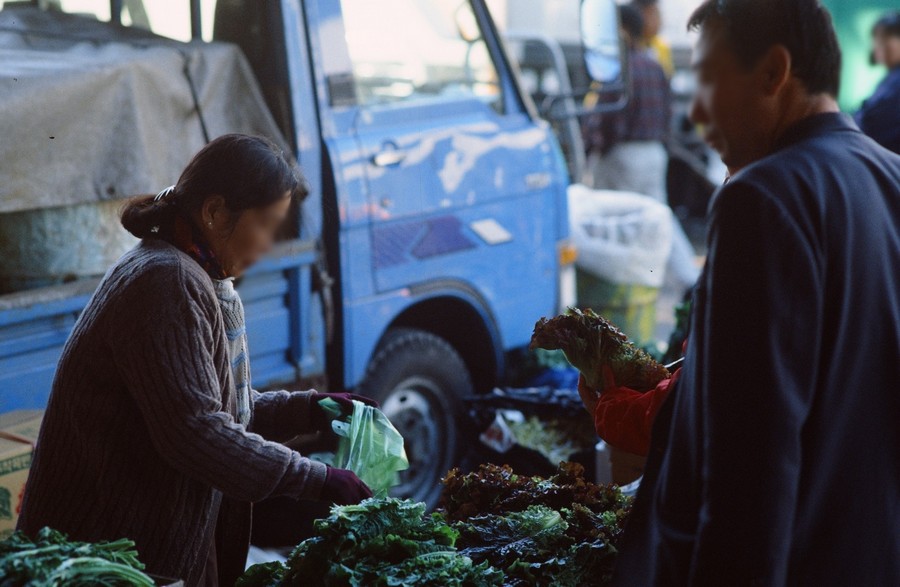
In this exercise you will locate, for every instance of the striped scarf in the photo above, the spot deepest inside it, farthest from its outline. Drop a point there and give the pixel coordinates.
(236, 331)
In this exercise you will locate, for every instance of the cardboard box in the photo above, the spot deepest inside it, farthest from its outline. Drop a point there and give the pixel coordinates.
(18, 433)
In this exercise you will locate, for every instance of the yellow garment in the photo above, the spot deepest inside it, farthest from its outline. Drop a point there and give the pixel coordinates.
(592, 98)
(662, 52)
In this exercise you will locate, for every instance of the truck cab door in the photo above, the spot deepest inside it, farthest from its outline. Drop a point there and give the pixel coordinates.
(420, 71)
(451, 200)
(443, 138)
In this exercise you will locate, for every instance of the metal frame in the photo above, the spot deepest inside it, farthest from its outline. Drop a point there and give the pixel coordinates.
(567, 95)
(115, 11)
(514, 95)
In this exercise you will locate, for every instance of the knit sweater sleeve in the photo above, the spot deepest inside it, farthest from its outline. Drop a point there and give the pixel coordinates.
(163, 345)
(281, 415)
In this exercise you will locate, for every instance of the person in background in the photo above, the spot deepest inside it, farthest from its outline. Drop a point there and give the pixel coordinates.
(632, 155)
(153, 431)
(627, 149)
(879, 116)
(775, 459)
(657, 47)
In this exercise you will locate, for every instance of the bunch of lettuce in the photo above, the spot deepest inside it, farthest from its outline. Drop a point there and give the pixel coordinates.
(541, 546)
(494, 489)
(558, 531)
(591, 343)
(52, 559)
(557, 439)
(378, 542)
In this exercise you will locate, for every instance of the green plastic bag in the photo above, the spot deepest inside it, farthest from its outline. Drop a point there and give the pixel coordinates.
(369, 445)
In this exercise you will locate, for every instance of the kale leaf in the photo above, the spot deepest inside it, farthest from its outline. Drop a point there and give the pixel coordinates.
(382, 542)
(591, 343)
(493, 489)
(51, 559)
(557, 531)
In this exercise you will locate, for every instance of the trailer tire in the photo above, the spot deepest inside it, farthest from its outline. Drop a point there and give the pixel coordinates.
(419, 379)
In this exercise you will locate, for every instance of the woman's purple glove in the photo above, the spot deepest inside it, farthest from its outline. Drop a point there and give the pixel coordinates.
(343, 487)
(321, 419)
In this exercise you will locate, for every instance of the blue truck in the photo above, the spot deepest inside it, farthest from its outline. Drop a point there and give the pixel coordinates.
(434, 235)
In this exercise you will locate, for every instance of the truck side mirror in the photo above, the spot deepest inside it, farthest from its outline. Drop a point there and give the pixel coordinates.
(466, 25)
(602, 41)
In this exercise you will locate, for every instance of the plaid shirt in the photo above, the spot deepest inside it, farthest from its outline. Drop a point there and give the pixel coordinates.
(646, 116)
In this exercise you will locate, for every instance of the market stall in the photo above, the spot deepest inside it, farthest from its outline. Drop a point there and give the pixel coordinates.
(495, 526)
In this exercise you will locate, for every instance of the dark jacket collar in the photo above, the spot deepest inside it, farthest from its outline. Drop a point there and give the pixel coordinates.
(816, 125)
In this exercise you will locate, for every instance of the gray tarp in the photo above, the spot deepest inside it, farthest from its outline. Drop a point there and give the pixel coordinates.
(95, 122)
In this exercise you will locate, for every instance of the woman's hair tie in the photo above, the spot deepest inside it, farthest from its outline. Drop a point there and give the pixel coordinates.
(161, 196)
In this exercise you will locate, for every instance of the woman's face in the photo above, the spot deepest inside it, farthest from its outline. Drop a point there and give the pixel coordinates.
(886, 49)
(239, 243)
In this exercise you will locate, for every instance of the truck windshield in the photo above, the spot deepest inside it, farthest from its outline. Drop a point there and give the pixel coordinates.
(405, 50)
(167, 18)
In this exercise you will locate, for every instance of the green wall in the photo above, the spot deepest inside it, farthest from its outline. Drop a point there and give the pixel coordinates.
(853, 20)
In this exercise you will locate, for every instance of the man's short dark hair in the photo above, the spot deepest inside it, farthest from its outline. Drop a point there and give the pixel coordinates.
(888, 24)
(644, 3)
(804, 27)
(632, 21)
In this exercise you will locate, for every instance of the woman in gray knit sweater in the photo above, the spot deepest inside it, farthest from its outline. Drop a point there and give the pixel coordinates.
(152, 431)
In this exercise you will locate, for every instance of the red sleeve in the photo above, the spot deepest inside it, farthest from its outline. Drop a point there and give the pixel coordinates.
(624, 417)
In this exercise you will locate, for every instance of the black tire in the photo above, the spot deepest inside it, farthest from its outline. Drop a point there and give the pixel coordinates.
(420, 380)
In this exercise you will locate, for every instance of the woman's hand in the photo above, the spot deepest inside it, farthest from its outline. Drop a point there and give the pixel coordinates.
(343, 487)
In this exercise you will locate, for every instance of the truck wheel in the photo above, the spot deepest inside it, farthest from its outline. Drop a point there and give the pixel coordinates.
(419, 380)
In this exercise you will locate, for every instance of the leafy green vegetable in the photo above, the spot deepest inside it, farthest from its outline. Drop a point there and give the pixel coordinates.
(51, 559)
(556, 439)
(541, 546)
(386, 542)
(590, 342)
(557, 531)
(507, 529)
(496, 489)
(507, 540)
(262, 575)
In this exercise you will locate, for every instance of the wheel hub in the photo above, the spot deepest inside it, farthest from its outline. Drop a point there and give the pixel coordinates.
(411, 408)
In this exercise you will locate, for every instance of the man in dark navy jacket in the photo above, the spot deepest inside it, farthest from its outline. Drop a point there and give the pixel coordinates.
(776, 459)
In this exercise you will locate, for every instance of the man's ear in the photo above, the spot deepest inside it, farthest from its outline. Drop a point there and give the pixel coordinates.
(213, 209)
(775, 69)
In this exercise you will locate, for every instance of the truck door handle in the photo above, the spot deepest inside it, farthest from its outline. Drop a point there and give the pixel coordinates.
(388, 158)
